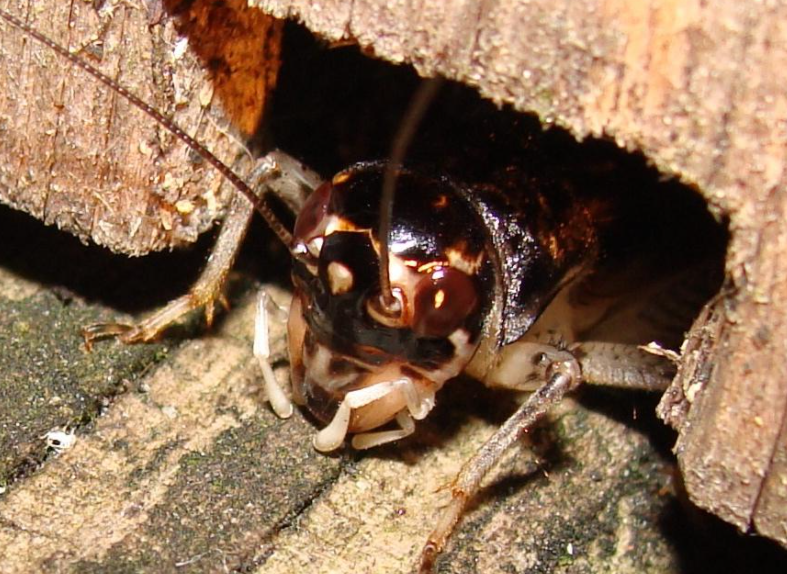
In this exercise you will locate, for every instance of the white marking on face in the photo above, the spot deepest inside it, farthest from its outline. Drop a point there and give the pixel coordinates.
(458, 259)
(340, 278)
(315, 246)
(318, 369)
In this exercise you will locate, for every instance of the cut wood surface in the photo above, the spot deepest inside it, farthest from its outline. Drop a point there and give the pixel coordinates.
(79, 156)
(699, 88)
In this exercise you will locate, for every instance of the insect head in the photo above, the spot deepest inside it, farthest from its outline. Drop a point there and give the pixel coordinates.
(356, 362)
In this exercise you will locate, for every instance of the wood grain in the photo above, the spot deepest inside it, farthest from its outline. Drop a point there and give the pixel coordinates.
(78, 156)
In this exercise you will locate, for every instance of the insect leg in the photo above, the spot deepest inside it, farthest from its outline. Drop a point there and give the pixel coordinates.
(562, 374)
(285, 177)
(602, 363)
(276, 173)
(204, 292)
(280, 403)
(624, 366)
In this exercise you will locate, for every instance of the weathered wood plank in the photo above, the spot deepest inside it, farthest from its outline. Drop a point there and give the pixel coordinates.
(196, 472)
(78, 156)
(172, 474)
(188, 470)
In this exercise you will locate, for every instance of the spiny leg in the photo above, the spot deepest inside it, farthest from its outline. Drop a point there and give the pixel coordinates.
(276, 173)
(562, 375)
(205, 292)
(597, 363)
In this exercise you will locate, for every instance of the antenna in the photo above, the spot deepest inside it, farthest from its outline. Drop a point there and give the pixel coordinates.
(259, 204)
(415, 112)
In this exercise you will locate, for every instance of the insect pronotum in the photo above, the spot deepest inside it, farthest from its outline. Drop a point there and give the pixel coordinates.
(481, 282)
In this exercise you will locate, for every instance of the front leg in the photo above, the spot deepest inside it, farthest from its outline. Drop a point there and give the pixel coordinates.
(205, 292)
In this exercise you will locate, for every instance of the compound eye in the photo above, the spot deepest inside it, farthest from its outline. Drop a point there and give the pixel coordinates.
(312, 214)
(443, 301)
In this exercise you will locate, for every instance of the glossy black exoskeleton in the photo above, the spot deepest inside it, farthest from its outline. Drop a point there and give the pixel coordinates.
(470, 271)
